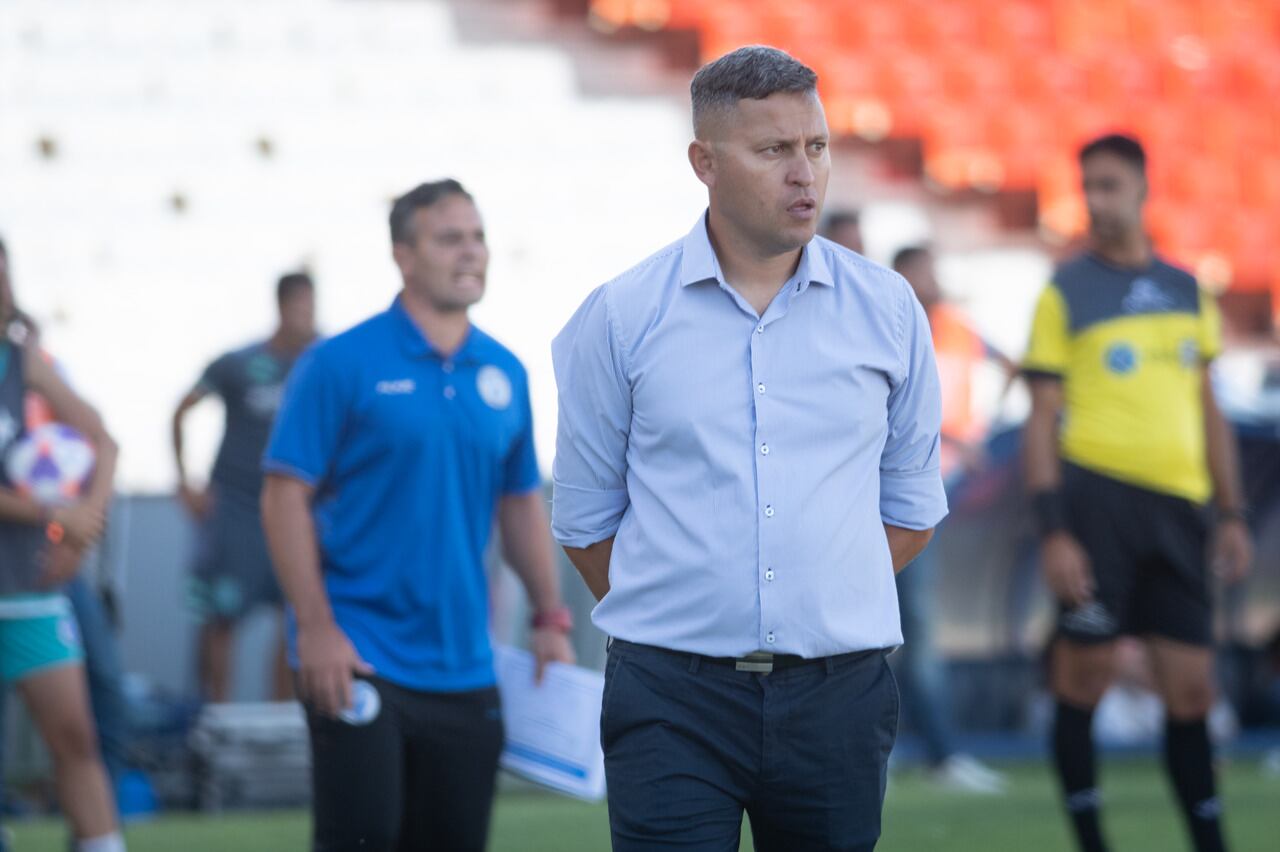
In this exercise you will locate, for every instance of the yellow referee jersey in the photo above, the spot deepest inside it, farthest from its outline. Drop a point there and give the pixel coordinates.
(1129, 345)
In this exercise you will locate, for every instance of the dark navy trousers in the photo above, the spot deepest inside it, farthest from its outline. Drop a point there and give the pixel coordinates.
(690, 744)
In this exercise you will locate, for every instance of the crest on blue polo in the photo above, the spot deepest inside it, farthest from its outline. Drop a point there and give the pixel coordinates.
(50, 464)
(366, 704)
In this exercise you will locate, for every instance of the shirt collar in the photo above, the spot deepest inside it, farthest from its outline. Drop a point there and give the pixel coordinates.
(415, 344)
(698, 260)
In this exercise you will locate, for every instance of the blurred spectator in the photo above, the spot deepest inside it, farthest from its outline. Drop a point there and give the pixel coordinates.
(844, 226)
(959, 349)
(101, 652)
(41, 549)
(233, 571)
(1124, 446)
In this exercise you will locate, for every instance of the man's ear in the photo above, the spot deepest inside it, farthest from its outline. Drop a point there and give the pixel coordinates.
(703, 160)
(402, 255)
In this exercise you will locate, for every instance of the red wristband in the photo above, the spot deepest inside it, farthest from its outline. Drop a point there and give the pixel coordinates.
(55, 532)
(558, 618)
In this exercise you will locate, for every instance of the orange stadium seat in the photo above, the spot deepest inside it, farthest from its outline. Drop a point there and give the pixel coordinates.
(1016, 28)
(1003, 92)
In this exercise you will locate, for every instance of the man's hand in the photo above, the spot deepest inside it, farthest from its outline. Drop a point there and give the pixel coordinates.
(327, 662)
(550, 645)
(1066, 568)
(82, 523)
(1231, 553)
(198, 501)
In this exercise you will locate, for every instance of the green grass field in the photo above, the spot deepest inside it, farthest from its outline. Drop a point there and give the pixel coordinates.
(1140, 817)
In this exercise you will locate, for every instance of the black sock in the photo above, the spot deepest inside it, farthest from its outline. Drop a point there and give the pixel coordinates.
(1073, 756)
(1189, 758)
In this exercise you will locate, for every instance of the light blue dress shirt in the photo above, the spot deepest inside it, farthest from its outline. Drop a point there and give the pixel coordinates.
(746, 463)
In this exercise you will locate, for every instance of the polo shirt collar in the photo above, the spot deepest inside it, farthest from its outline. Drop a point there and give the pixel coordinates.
(698, 260)
(416, 345)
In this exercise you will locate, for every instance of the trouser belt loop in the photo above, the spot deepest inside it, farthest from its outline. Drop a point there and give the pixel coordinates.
(831, 665)
(694, 663)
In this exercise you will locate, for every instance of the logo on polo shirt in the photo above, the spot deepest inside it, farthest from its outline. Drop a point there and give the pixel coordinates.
(264, 400)
(1121, 358)
(494, 387)
(395, 387)
(1147, 296)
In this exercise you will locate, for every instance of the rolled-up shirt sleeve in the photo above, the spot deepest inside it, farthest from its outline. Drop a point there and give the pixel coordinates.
(911, 491)
(590, 469)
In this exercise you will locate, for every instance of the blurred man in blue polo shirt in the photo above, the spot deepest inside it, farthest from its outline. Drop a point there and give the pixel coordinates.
(748, 450)
(397, 443)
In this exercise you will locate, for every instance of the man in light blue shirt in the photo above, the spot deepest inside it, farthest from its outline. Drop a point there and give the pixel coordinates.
(747, 452)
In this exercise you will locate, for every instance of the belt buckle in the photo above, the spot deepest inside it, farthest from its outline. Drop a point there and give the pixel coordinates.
(757, 662)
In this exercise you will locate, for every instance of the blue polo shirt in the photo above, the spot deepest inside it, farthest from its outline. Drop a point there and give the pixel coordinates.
(409, 452)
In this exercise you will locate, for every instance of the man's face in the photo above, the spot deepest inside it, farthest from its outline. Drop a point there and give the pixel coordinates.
(768, 169)
(1114, 192)
(298, 314)
(448, 259)
(919, 272)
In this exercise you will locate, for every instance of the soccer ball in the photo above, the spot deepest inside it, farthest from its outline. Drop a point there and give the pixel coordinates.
(50, 464)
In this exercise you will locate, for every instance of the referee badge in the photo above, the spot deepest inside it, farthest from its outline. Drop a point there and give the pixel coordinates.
(365, 705)
(494, 387)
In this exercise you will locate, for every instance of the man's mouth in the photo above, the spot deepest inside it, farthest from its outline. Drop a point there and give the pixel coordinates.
(804, 208)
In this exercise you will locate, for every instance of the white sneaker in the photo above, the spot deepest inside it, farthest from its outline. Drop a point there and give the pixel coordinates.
(966, 774)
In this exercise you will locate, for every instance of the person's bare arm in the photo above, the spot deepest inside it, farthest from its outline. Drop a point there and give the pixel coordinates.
(592, 563)
(905, 545)
(527, 546)
(1040, 460)
(1065, 564)
(327, 659)
(19, 509)
(1232, 547)
(195, 501)
(83, 521)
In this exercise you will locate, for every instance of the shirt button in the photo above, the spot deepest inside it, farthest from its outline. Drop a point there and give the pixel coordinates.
(768, 511)
(447, 366)
(760, 329)
(769, 638)
(449, 392)
(760, 387)
(764, 449)
(768, 575)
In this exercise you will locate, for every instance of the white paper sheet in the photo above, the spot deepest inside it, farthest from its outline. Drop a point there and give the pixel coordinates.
(553, 730)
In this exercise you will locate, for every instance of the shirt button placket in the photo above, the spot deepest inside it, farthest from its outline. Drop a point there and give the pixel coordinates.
(764, 479)
(449, 390)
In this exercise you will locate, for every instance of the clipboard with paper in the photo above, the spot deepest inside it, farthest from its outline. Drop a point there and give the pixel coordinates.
(552, 729)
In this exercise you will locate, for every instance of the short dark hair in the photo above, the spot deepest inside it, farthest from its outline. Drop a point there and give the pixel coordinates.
(291, 283)
(421, 196)
(839, 218)
(1120, 145)
(753, 72)
(909, 254)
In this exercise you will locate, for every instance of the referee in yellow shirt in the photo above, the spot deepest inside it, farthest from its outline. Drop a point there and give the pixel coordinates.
(1125, 447)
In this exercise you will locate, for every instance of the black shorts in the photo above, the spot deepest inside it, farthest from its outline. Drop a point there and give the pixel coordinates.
(1149, 554)
(233, 573)
(417, 772)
